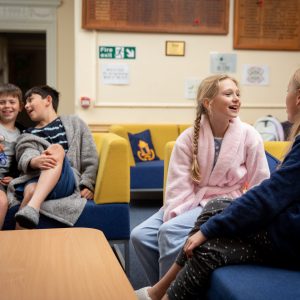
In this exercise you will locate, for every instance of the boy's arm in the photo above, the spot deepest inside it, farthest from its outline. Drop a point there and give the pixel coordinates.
(28, 146)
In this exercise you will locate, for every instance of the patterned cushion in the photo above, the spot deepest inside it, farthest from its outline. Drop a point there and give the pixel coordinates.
(142, 146)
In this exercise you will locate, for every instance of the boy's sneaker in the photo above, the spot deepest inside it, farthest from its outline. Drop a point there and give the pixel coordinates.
(27, 217)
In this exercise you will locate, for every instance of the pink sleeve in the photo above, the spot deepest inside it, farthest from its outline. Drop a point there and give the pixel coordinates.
(180, 187)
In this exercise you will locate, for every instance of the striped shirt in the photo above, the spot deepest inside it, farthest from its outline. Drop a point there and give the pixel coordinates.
(54, 133)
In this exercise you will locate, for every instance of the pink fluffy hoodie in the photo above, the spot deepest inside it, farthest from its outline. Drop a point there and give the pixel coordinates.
(241, 162)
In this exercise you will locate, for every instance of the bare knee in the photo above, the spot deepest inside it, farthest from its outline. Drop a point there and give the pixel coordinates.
(57, 150)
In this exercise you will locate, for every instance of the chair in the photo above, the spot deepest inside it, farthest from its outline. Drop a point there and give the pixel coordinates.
(109, 212)
(247, 282)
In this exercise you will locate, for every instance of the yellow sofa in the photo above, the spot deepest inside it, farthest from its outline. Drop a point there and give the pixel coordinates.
(109, 212)
(148, 176)
(113, 180)
(278, 148)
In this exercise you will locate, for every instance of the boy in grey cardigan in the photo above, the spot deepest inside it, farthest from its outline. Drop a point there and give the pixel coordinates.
(58, 163)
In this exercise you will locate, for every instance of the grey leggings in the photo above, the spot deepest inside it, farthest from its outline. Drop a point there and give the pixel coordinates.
(191, 282)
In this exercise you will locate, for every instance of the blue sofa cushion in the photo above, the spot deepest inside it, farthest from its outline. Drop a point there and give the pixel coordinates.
(273, 162)
(248, 282)
(142, 146)
(147, 175)
(112, 219)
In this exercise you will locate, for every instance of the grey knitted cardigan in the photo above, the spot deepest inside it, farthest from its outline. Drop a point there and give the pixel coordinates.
(83, 157)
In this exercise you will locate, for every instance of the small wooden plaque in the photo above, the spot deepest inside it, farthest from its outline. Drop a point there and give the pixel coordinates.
(174, 48)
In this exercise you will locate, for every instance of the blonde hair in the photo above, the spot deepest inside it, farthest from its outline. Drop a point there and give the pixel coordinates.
(295, 83)
(208, 89)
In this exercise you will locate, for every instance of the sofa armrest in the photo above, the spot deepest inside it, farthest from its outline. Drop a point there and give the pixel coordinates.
(113, 178)
(277, 148)
(122, 132)
(167, 155)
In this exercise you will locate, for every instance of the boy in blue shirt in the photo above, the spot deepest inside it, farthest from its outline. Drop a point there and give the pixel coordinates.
(58, 162)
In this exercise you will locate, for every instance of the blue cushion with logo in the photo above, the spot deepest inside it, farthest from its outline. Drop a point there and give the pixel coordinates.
(142, 146)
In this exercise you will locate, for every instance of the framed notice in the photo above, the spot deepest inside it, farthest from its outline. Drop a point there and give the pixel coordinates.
(267, 25)
(168, 16)
(175, 48)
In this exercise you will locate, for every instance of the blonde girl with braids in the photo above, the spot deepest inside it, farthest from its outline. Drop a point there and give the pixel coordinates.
(261, 227)
(217, 157)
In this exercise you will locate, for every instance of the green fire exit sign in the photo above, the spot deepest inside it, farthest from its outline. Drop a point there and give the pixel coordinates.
(117, 52)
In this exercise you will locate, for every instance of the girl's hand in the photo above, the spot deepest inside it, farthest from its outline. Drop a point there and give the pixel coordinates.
(87, 194)
(192, 242)
(1, 147)
(6, 180)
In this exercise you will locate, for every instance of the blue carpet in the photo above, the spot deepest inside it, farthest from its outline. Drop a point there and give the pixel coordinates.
(140, 210)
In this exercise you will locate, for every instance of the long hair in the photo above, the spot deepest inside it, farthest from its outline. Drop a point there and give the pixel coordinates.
(208, 89)
(295, 84)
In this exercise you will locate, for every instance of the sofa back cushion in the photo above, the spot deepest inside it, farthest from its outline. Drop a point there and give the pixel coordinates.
(160, 134)
(277, 148)
(183, 127)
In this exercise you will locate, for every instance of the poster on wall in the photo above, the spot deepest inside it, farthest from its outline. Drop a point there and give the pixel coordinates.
(222, 62)
(255, 75)
(115, 74)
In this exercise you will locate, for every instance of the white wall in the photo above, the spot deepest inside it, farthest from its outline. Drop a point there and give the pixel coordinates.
(156, 90)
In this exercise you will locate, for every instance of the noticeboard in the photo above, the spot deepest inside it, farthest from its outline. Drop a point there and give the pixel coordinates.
(168, 16)
(267, 25)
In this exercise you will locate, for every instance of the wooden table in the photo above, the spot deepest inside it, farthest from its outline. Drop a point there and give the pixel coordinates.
(60, 264)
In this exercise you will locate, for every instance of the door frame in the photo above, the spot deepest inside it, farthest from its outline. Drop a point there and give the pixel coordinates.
(34, 16)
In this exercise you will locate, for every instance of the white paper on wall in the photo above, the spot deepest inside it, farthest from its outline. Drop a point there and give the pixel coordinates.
(191, 88)
(222, 62)
(115, 74)
(255, 74)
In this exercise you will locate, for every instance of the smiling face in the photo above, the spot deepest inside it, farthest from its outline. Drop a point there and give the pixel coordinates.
(35, 107)
(9, 108)
(226, 104)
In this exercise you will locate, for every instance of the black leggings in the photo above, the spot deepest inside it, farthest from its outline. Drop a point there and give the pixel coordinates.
(191, 282)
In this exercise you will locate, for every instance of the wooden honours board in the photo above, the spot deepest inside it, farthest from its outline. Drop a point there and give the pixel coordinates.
(168, 16)
(267, 24)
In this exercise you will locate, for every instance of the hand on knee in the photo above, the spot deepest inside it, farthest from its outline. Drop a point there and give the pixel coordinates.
(56, 151)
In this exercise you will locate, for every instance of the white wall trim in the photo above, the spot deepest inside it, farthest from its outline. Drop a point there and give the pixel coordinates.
(31, 2)
(175, 105)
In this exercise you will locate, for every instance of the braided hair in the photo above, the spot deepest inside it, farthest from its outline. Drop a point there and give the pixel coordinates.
(208, 89)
